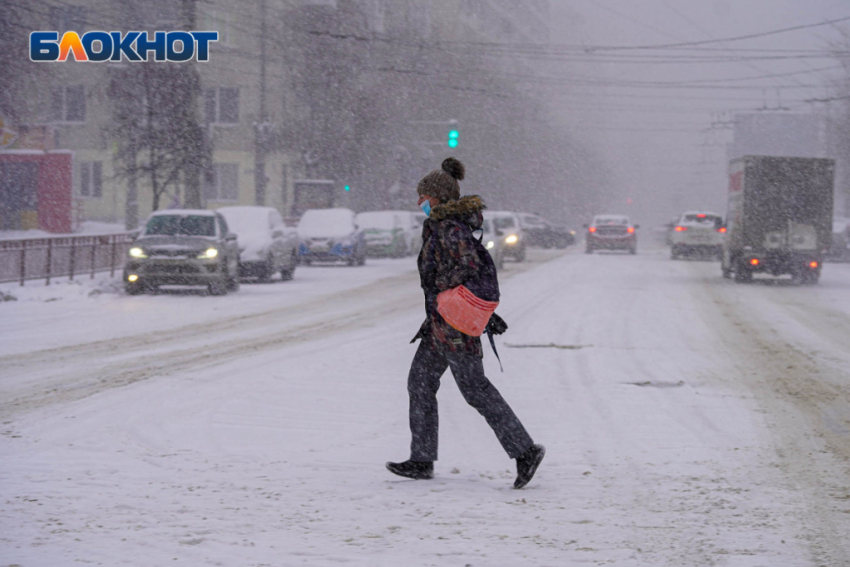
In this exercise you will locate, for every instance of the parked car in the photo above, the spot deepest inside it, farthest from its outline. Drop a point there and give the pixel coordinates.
(507, 227)
(183, 247)
(266, 244)
(540, 232)
(839, 250)
(611, 232)
(387, 233)
(697, 233)
(417, 220)
(330, 235)
(492, 242)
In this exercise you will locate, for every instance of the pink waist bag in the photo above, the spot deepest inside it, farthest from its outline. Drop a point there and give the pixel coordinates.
(465, 312)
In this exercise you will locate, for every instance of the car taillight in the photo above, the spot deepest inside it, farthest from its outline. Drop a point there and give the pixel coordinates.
(754, 261)
(721, 229)
(631, 229)
(700, 216)
(591, 229)
(813, 264)
(681, 228)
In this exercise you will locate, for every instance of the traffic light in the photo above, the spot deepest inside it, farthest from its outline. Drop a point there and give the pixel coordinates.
(347, 187)
(454, 138)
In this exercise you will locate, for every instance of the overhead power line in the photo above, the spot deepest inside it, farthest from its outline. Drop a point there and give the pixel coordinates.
(726, 39)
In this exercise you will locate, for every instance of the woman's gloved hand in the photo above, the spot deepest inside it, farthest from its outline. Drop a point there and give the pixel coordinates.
(496, 325)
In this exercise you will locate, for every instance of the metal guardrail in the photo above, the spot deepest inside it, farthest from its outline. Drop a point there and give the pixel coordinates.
(46, 258)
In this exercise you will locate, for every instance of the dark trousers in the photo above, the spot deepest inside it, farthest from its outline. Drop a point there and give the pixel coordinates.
(468, 370)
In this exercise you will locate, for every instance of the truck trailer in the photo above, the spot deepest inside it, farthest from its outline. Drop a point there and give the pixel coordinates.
(779, 217)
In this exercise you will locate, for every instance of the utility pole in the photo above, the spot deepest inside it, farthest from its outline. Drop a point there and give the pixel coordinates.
(261, 128)
(192, 172)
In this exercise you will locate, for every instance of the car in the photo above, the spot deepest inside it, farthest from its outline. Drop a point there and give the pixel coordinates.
(697, 233)
(417, 220)
(387, 233)
(330, 235)
(492, 242)
(266, 244)
(611, 232)
(839, 250)
(540, 232)
(183, 247)
(507, 227)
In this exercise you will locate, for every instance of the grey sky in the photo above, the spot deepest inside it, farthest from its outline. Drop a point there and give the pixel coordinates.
(654, 138)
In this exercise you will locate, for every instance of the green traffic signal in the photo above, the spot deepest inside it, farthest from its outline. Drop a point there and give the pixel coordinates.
(347, 188)
(454, 136)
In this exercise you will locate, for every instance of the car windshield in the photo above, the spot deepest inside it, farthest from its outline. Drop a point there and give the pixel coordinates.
(610, 220)
(504, 223)
(533, 221)
(247, 220)
(186, 225)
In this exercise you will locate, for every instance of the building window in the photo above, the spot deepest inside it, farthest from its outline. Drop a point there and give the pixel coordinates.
(68, 104)
(91, 179)
(221, 105)
(221, 21)
(222, 182)
(68, 18)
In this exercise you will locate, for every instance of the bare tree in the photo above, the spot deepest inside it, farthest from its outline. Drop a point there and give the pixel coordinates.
(156, 125)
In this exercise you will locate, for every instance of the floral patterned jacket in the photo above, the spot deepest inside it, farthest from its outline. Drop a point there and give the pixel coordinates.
(451, 256)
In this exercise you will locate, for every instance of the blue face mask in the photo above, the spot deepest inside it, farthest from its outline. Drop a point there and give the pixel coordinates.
(426, 206)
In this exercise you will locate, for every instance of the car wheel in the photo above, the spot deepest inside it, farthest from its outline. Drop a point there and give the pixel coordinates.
(134, 288)
(233, 282)
(219, 287)
(588, 250)
(809, 277)
(286, 274)
(266, 270)
(743, 274)
(520, 257)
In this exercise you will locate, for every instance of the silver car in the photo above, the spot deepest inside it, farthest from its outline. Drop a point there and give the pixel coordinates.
(266, 245)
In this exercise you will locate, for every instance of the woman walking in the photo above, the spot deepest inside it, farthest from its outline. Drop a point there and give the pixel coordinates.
(452, 257)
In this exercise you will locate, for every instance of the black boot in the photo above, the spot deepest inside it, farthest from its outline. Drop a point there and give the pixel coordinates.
(417, 470)
(527, 463)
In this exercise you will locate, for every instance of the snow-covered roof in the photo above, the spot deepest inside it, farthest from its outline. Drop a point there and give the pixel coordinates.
(319, 223)
(184, 212)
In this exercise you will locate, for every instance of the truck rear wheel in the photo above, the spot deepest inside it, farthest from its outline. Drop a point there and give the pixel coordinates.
(743, 274)
(809, 277)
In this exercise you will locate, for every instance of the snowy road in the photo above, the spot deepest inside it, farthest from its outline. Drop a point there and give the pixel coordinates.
(689, 421)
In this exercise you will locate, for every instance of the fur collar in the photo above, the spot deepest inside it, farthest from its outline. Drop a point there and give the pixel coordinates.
(463, 207)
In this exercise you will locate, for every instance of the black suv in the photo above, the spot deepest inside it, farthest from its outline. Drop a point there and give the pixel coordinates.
(183, 247)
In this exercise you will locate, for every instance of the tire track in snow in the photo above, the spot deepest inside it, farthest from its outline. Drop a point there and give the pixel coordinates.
(41, 378)
(806, 400)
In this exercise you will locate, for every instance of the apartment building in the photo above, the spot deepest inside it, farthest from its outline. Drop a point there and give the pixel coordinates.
(241, 105)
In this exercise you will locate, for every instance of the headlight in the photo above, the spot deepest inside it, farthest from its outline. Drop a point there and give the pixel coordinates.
(490, 244)
(208, 254)
(137, 252)
(512, 239)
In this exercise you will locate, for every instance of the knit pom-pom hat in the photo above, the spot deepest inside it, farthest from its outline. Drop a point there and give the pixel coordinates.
(443, 183)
